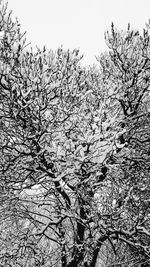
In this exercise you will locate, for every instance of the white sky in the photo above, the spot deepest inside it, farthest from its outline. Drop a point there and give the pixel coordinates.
(77, 23)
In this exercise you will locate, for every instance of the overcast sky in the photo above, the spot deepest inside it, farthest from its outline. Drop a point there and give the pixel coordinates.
(77, 23)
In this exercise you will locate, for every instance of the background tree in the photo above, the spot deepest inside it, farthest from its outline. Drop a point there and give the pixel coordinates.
(127, 67)
(74, 152)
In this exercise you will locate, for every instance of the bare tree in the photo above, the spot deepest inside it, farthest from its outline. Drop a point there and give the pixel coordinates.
(74, 152)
